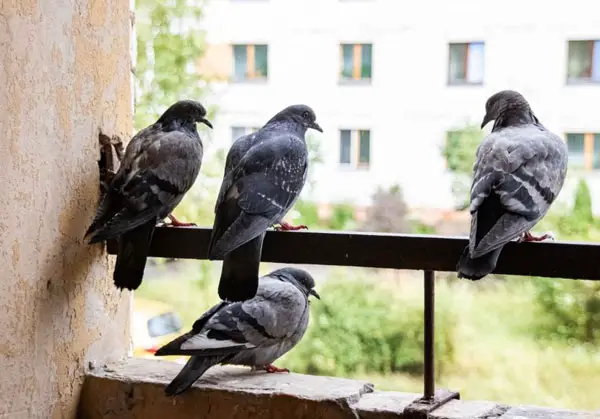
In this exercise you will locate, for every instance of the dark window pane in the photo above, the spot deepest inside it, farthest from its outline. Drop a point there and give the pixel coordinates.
(239, 62)
(596, 62)
(579, 65)
(575, 145)
(475, 62)
(456, 63)
(237, 132)
(366, 61)
(345, 145)
(261, 60)
(163, 324)
(364, 155)
(347, 61)
(596, 160)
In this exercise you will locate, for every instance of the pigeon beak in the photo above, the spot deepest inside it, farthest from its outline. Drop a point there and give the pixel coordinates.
(486, 119)
(206, 122)
(314, 294)
(316, 126)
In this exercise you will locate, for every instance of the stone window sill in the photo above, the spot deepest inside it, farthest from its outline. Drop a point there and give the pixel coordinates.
(134, 389)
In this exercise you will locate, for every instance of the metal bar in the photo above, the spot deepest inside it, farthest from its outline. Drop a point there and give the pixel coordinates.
(429, 296)
(395, 251)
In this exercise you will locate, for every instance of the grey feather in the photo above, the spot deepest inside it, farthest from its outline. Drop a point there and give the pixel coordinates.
(520, 168)
(159, 166)
(254, 332)
(264, 174)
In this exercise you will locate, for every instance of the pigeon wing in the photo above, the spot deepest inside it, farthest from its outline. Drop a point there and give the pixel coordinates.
(152, 179)
(263, 187)
(518, 174)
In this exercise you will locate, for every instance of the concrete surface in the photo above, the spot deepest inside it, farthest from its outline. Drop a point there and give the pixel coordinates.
(64, 76)
(134, 389)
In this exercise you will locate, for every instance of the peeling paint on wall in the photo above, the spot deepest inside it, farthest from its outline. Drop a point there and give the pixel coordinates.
(65, 76)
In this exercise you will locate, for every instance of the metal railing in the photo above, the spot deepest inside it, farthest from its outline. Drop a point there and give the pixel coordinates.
(395, 251)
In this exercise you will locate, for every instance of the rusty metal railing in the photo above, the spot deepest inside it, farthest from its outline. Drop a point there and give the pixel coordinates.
(395, 251)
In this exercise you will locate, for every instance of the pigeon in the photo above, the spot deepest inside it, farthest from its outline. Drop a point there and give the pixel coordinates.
(264, 174)
(519, 170)
(160, 164)
(254, 332)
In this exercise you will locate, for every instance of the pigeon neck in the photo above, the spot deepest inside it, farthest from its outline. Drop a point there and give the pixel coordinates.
(515, 118)
(180, 125)
(287, 126)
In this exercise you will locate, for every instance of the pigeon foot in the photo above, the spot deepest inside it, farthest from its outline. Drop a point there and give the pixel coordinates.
(528, 237)
(283, 226)
(176, 223)
(272, 368)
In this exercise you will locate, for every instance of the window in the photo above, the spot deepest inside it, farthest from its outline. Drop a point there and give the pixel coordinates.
(238, 131)
(584, 151)
(583, 64)
(466, 63)
(250, 62)
(355, 148)
(356, 61)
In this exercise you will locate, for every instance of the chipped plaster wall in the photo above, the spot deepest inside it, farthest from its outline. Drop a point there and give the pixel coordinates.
(64, 76)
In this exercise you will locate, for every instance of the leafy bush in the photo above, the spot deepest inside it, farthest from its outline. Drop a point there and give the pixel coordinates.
(342, 217)
(569, 310)
(360, 326)
(459, 151)
(387, 212)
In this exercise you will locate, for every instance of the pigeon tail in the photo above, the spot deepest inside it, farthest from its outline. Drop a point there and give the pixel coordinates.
(227, 237)
(192, 371)
(239, 275)
(476, 268)
(133, 251)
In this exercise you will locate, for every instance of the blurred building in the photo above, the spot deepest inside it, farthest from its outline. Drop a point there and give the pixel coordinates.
(389, 79)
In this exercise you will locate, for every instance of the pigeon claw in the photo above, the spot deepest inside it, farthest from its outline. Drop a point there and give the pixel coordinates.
(270, 368)
(283, 226)
(176, 223)
(528, 237)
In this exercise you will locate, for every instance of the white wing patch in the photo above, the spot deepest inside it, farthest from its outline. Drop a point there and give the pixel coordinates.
(201, 341)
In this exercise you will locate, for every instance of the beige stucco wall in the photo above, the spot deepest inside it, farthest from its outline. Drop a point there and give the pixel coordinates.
(64, 76)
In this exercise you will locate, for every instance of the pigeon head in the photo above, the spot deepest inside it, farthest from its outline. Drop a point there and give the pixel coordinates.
(501, 103)
(185, 111)
(299, 278)
(299, 115)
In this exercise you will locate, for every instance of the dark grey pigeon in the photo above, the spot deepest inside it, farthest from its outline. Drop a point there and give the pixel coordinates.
(160, 164)
(519, 171)
(254, 332)
(264, 174)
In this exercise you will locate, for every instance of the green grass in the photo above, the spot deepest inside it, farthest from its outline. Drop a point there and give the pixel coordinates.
(497, 358)
(496, 354)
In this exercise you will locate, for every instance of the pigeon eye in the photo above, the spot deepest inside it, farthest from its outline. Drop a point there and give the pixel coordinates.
(305, 115)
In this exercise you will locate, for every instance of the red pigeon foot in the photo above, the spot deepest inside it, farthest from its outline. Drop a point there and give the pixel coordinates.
(283, 226)
(176, 223)
(528, 237)
(272, 368)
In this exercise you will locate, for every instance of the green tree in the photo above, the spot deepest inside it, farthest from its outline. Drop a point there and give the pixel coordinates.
(168, 48)
(459, 151)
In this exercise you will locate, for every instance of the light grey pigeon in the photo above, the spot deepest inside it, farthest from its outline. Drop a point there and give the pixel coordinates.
(264, 174)
(519, 170)
(254, 332)
(160, 164)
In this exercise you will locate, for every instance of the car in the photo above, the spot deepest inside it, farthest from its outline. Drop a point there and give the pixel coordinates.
(153, 325)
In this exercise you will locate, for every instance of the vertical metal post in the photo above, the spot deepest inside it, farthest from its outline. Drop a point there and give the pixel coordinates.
(429, 377)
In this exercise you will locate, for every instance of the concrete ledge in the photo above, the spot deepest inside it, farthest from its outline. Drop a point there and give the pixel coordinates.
(134, 390)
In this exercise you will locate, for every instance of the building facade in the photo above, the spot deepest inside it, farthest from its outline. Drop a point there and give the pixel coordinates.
(388, 81)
